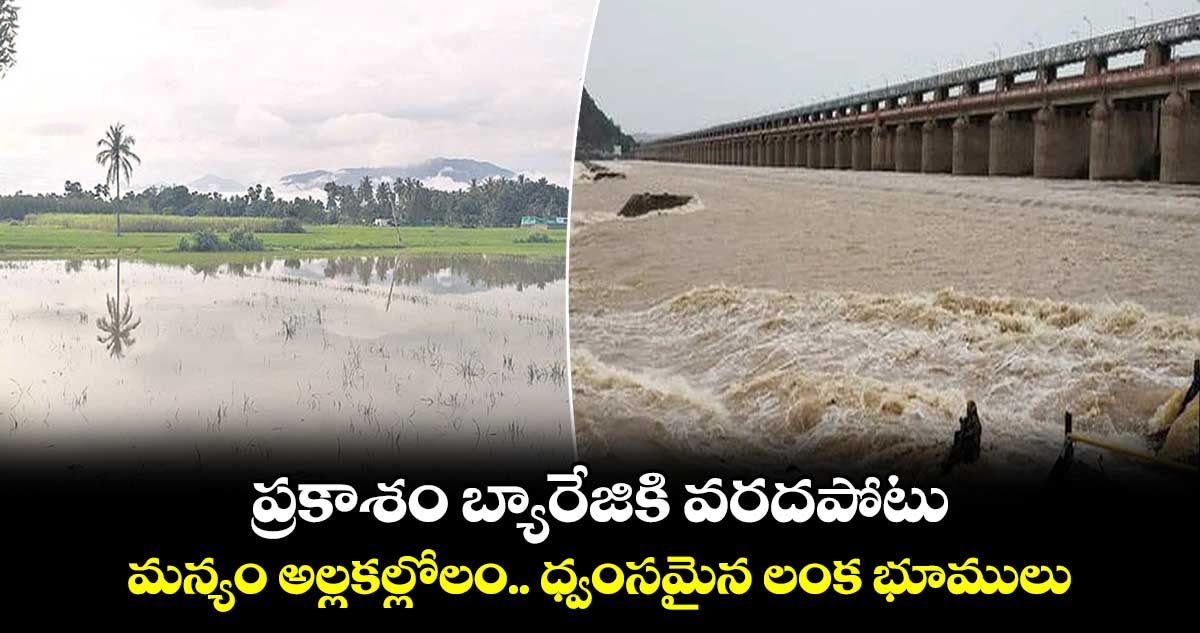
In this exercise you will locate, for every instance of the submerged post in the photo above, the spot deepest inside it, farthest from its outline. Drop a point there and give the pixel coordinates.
(967, 439)
(1066, 457)
(1193, 390)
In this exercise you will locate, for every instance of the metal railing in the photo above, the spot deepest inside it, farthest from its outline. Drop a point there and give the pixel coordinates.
(1168, 33)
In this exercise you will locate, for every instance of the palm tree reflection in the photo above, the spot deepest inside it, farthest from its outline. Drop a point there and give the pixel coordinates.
(117, 328)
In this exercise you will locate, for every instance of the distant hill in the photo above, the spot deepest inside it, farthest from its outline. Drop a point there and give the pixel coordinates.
(647, 137)
(217, 184)
(597, 134)
(458, 170)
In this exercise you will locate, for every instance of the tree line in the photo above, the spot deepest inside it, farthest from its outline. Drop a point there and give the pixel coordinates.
(494, 202)
(175, 200)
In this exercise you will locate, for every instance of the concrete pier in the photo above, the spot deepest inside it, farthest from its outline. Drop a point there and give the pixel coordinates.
(971, 143)
(1124, 141)
(1060, 143)
(843, 154)
(860, 149)
(883, 143)
(937, 148)
(1010, 145)
(814, 151)
(908, 148)
(1181, 139)
(828, 151)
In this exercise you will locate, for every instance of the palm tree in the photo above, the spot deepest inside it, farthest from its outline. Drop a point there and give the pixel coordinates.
(8, 35)
(116, 152)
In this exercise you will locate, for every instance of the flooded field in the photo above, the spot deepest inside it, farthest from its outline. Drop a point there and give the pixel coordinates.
(357, 361)
(842, 320)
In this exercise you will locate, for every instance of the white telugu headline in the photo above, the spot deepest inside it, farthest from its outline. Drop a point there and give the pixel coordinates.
(282, 506)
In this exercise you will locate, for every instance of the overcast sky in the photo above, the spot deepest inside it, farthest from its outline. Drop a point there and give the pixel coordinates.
(252, 90)
(664, 66)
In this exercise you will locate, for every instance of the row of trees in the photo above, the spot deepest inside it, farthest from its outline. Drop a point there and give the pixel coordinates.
(494, 202)
(177, 200)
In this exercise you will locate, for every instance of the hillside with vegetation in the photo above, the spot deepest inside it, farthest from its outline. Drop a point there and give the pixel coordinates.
(598, 135)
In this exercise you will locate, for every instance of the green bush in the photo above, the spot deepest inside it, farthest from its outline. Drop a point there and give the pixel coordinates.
(206, 240)
(534, 238)
(243, 240)
(291, 225)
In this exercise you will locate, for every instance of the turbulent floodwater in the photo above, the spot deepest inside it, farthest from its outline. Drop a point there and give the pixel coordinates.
(818, 367)
(863, 382)
(357, 360)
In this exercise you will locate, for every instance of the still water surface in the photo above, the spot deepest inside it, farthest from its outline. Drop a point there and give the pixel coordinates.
(362, 361)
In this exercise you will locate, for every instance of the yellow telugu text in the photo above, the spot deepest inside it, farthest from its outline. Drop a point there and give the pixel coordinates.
(678, 583)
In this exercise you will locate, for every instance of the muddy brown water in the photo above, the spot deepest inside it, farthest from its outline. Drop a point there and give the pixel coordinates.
(842, 320)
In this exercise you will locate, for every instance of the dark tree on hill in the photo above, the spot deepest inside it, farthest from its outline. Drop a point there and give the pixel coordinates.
(366, 198)
(331, 193)
(597, 134)
(385, 200)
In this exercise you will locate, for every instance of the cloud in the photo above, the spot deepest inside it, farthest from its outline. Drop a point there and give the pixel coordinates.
(444, 183)
(56, 128)
(242, 4)
(353, 129)
(254, 124)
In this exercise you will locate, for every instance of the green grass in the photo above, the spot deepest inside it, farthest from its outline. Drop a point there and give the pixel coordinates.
(151, 223)
(24, 241)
